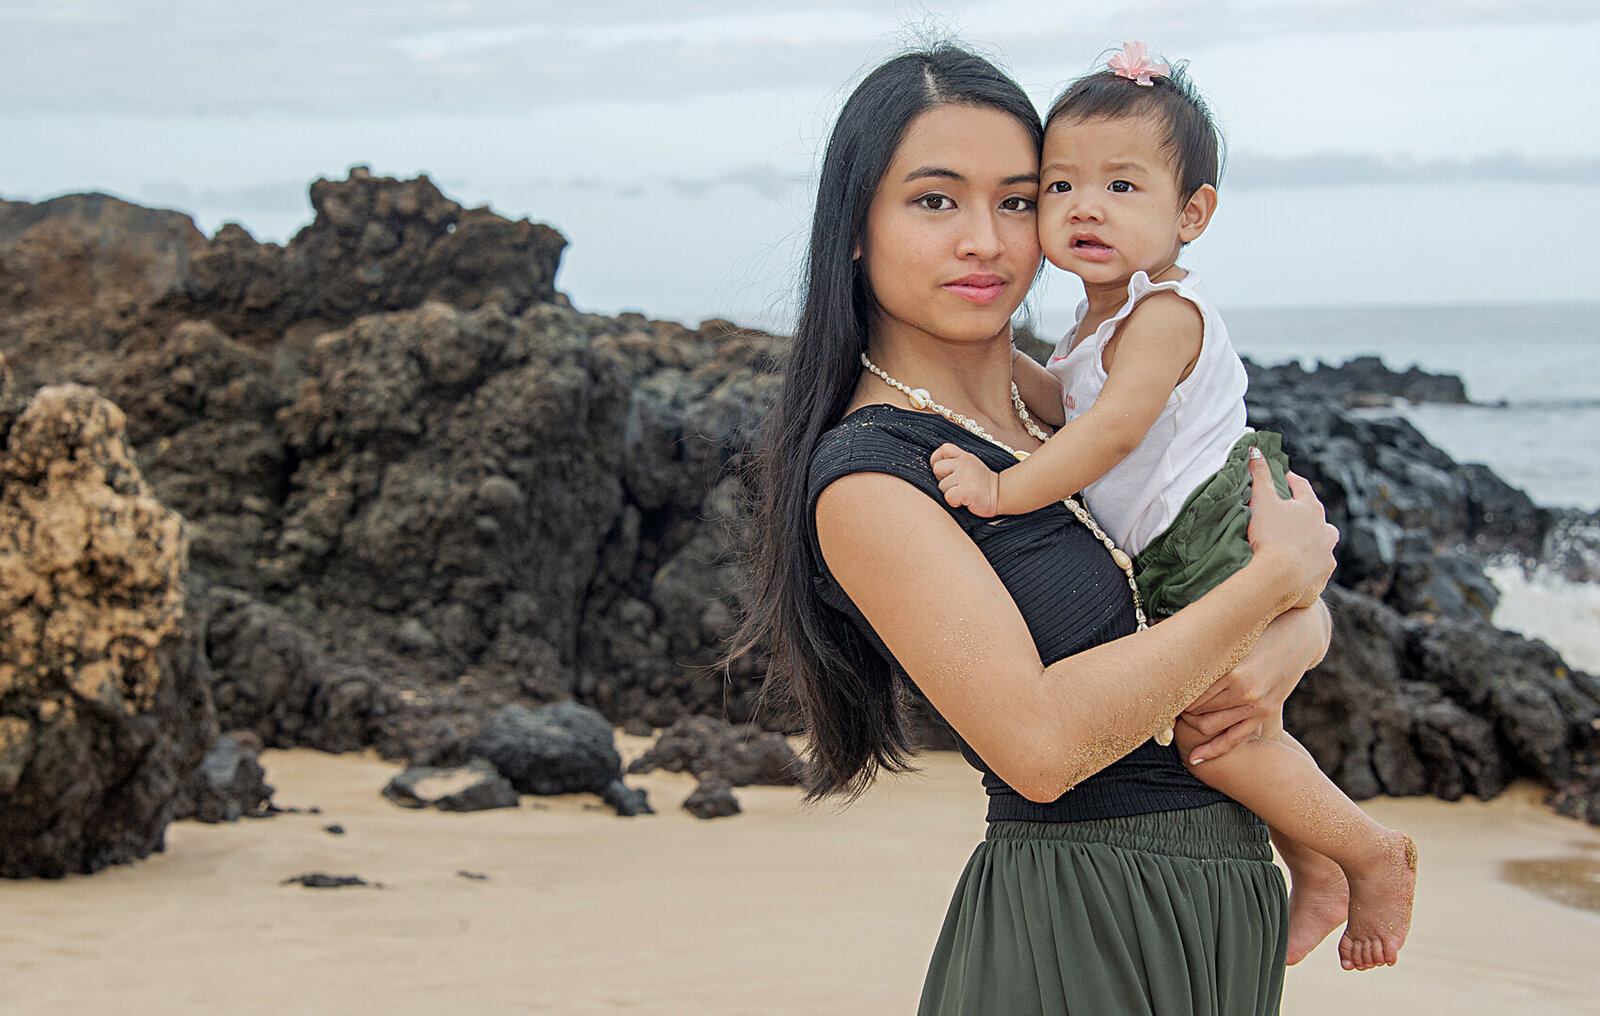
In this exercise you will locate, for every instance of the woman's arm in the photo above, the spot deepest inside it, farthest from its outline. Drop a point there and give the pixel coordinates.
(1253, 693)
(939, 607)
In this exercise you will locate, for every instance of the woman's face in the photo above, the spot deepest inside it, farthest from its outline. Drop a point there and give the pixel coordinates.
(951, 244)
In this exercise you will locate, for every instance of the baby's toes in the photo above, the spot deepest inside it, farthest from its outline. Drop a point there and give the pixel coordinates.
(1347, 953)
(1374, 955)
(1391, 949)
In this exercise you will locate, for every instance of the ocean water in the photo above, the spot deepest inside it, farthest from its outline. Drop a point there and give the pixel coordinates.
(1533, 375)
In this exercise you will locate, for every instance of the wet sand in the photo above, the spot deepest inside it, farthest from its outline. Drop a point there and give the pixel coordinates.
(778, 910)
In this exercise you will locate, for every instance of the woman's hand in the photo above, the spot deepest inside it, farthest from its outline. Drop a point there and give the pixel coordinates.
(1252, 694)
(1290, 535)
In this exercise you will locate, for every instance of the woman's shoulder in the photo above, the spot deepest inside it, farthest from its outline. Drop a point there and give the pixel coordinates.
(877, 438)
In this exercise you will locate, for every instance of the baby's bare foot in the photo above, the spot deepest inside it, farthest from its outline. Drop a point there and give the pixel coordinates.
(1319, 899)
(1381, 891)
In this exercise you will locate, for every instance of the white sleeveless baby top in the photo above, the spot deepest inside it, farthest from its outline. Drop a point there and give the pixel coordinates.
(1189, 441)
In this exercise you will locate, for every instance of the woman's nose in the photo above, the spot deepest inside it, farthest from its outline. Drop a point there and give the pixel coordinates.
(982, 238)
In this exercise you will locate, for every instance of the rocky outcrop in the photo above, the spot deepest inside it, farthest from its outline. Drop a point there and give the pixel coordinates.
(1363, 382)
(422, 488)
(559, 749)
(476, 786)
(722, 756)
(375, 245)
(1415, 525)
(271, 677)
(103, 704)
(227, 785)
(1406, 706)
(705, 746)
(713, 798)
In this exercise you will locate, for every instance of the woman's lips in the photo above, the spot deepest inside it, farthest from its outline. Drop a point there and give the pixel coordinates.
(978, 288)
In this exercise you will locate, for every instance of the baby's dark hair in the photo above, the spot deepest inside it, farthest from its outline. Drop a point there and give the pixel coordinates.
(1193, 140)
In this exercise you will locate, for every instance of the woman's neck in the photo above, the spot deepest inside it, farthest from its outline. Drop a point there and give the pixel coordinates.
(972, 378)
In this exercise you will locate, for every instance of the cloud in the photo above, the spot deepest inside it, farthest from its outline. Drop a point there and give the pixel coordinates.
(190, 57)
(1337, 169)
(768, 181)
(277, 197)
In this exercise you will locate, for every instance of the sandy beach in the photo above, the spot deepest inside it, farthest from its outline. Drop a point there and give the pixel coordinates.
(565, 908)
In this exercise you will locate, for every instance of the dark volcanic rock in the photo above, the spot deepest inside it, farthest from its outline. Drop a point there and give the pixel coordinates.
(323, 880)
(1415, 525)
(739, 755)
(271, 677)
(228, 784)
(483, 790)
(421, 488)
(1411, 706)
(561, 749)
(713, 798)
(627, 801)
(1361, 382)
(375, 245)
(103, 704)
(76, 273)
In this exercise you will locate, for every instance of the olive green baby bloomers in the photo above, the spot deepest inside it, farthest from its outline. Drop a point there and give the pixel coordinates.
(1174, 913)
(1206, 541)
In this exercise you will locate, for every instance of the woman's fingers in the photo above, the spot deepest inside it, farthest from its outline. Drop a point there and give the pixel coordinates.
(1213, 723)
(1260, 476)
(1199, 704)
(1299, 487)
(1226, 741)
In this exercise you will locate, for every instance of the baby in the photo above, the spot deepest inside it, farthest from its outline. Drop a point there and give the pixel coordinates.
(1148, 396)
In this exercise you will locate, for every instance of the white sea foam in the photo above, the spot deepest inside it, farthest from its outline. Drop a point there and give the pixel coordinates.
(1543, 604)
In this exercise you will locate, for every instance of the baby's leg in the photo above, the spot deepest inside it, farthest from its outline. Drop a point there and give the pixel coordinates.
(1278, 780)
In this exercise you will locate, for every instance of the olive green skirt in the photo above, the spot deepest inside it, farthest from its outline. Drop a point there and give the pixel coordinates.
(1173, 913)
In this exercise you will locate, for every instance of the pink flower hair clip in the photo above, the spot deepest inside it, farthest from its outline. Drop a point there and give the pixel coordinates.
(1134, 64)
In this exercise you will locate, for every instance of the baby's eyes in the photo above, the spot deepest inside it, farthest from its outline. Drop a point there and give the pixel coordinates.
(1059, 187)
(1121, 187)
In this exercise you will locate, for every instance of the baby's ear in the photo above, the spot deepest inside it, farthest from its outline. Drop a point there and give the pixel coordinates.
(1196, 213)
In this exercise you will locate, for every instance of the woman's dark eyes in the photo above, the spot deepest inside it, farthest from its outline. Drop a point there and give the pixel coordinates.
(941, 203)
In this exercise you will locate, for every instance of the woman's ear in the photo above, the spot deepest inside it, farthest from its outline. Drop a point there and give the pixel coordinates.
(1196, 213)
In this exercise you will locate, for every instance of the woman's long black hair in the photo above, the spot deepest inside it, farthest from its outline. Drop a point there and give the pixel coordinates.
(849, 700)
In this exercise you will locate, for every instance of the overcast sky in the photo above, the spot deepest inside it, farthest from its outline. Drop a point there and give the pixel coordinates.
(1382, 151)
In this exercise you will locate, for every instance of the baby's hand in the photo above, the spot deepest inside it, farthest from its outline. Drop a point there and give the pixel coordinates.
(966, 481)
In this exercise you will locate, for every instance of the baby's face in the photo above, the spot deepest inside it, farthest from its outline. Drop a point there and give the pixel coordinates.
(1108, 200)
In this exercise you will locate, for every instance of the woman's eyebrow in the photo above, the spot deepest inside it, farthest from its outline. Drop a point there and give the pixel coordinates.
(940, 173)
(936, 172)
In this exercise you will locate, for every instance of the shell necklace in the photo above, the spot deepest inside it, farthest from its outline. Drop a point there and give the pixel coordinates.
(920, 399)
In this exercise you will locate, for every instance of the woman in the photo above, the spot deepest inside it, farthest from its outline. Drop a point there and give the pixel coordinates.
(1110, 880)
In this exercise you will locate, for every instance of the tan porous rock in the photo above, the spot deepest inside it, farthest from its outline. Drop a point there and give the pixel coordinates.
(103, 702)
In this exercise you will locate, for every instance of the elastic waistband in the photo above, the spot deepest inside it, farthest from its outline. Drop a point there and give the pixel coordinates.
(1222, 831)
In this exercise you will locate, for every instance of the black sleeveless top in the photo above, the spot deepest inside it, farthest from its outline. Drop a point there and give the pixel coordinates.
(1070, 593)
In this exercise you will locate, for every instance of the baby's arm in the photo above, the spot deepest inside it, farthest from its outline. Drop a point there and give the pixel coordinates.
(1154, 350)
(1040, 390)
